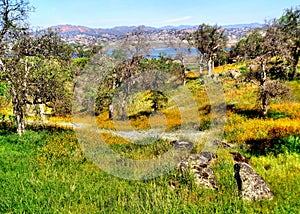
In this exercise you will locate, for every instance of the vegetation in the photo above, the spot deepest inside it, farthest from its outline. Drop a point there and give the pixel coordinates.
(210, 41)
(45, 169)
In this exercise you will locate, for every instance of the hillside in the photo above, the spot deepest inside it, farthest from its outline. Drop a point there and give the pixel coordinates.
(87, 35)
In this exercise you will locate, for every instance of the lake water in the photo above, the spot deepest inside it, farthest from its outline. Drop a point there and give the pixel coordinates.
(170, 52)
(167, 52)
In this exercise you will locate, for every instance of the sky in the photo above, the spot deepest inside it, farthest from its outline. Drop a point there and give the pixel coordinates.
(156, 13)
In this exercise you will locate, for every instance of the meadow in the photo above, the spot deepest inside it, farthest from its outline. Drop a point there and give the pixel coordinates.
(46, 171)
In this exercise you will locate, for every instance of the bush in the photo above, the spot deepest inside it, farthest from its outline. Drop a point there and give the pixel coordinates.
(280, 139)
(286, 144)
(7, 123)
(276, 115)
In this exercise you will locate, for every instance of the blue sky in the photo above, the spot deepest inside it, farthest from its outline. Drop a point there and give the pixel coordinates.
(109, 13)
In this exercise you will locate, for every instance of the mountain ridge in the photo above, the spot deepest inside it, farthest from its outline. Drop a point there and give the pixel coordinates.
(68, 28)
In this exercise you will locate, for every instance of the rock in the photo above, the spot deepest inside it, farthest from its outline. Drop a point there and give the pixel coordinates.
(183, 145)
(200, 166)
(222, 144)
(234, 74)
(251, 186)
(238, 157)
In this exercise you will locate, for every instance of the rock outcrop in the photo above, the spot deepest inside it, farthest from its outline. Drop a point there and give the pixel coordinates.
(251, 186)
(238, 157)
(199, 164)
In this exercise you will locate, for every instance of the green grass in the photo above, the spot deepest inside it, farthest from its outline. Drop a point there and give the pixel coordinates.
(37, 177)
(46, 171)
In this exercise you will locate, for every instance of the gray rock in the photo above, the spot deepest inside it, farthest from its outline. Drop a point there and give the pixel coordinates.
(221, 144)
(199, 164)
(184, 145)
(238, 157)
(251, 186)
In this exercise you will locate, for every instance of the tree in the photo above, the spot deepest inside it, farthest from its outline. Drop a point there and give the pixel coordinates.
(289, 25)
(136, 43)
(178, 43)
(35, 69)
(116, 82)
(208, 40)
(135, 46)
(267, 46)
(86, 51)
(249, 47)
(13, 16)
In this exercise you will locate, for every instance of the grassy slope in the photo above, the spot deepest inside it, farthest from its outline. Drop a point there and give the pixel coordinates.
(43, 172)
(46, 172)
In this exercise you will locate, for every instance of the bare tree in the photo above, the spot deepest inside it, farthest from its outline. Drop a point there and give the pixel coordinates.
(269, 45)
(34, 69)
(137, 45)
(179, 43)
(208, 40)
(13, 16)
(289, 24)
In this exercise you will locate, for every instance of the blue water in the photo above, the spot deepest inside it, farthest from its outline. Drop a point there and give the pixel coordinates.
(170, 52)
(167, 52)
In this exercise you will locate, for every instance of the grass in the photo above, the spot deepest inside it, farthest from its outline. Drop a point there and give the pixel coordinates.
(40, 175)
(46, 171)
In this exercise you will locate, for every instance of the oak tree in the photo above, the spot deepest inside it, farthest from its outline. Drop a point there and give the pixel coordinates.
(209, 40)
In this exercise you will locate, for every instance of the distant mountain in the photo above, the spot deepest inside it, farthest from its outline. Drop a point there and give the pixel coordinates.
(120, 30)
(180, 27)
(251, 25)
(86, 35)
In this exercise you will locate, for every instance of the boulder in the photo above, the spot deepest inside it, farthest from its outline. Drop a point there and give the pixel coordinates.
(221, 144)
(238, 157)
(199, 164)
(251, 186)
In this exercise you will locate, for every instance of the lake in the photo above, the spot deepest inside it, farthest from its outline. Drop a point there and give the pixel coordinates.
(167, 52)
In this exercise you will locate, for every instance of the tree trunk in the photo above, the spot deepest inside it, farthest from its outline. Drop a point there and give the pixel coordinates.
(200, 65)
(19, 114)
(111, 111)
(295, 67)
(264, 97)
(41, 110)
(111, 106)
(184, 71)
(123, 105)
(265, 104)
(209, 66)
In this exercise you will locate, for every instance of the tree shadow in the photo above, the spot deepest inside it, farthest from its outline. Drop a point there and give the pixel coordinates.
(259, 147)
(249, 113)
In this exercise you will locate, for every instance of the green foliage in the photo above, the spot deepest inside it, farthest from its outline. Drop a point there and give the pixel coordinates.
(148, 148)
(7, 123)
(289, 143)
(79, 63)
(248, 47)
(123, 71)
(3, 89)
(69, 183)
(120, 54)
(276, 115)
(284, 139)
(243, 69)
(209, 40)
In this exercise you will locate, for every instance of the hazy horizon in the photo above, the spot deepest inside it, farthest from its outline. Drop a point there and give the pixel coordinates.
(152, 26)
(155, 13)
